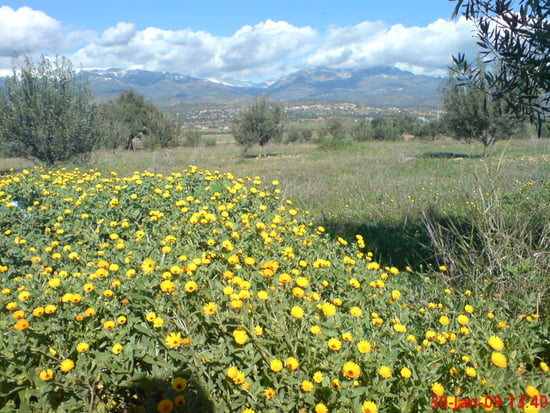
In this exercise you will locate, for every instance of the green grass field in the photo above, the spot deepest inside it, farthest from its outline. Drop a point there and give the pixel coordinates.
(138, 283)
(377, 189)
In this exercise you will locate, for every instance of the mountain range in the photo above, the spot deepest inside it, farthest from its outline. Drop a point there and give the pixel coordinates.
(382, 86)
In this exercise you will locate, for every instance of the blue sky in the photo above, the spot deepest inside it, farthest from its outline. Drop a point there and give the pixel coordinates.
(239, 39)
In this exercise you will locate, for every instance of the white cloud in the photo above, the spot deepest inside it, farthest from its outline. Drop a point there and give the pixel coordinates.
(250, 49)
(28, 31)
(31, 32)
(120, 35)
(265, 50)
(419, 49)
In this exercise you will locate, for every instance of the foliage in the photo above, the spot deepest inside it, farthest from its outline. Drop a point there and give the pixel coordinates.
(334, 144)
(392, 128)
(47, 114)
(384, 129)
(295, 135)
(518, 38)
(471, 111)
(209, 142)
(131, 116)
(258, 123)
(334, 136)
(214, 286)
(405, 123)
(431, 129)
(333, 129)
(362, 131)
(192, 137)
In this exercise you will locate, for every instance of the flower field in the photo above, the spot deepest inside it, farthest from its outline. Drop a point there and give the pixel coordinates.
(199, 291)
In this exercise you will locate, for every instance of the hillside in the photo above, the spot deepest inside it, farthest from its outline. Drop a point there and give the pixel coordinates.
(384, 86)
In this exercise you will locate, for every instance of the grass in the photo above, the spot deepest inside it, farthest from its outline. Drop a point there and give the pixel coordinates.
(377, 189)
(428, 205)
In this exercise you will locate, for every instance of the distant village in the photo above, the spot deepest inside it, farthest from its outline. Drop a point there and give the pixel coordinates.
(216, 118)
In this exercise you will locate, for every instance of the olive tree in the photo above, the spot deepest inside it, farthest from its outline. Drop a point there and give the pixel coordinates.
(516, 35)
(258, 123)
(472, 112)
(131, 116)
(47, 112)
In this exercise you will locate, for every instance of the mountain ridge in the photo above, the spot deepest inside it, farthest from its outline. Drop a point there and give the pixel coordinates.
(378, 86)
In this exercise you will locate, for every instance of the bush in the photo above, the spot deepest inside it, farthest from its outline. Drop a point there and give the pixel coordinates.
(209, 142)
(334, 136)
(334, 129)
(192, 138)
(198, 291)
(362, 131)
(296, 135)
(335, 144)
(384, 129)
(430, 130)
(47, 113)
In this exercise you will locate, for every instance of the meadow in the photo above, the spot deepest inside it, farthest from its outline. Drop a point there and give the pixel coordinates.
(379, 190)
(389, 277)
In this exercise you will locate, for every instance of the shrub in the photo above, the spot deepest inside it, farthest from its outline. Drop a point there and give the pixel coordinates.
(192, 138)
(333, 129)
(362, 131)
(296, 134)
(335, 144)
(209, 142)
(334, 136)
(384, 129)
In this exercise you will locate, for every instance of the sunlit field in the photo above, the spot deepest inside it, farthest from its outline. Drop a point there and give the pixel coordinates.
(298, 281)
(377, 189)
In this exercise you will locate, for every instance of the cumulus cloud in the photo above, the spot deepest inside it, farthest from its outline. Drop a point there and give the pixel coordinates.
(198, 53)
(422, 50)
(265, 50)
(27, 29)
(120, 35)
(31, 32)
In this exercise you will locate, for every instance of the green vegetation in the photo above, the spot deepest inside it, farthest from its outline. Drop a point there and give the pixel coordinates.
(515, 36)
(199, 290)
(298, 135)
(471, 111)
(258, 123)
(192, 138)
(368, 277)
(131, 119)
(385, 191)
(47, 114)
(335, 133)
